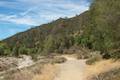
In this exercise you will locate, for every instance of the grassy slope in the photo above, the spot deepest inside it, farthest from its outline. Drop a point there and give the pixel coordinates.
(104, 70)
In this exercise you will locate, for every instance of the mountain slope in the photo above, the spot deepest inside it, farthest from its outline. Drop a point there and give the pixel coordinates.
(56, 35)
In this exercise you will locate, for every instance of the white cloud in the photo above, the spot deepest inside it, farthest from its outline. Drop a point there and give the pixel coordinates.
(18, 20)
(34, 12)
(27, 11)
(12, 5)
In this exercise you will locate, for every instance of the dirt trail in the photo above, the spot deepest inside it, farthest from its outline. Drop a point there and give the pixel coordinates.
(72, 69)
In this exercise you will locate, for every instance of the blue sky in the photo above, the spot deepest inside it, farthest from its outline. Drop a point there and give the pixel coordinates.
(20, 15)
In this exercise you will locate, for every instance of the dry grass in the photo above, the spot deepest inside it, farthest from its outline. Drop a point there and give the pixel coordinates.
(101, 67)
(37, 72)
(48, 73)
(23, 75)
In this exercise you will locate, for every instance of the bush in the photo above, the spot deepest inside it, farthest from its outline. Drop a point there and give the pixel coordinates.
(115, 55)
(23, 50)
(95, 57)
(34, 57)
(4, 50)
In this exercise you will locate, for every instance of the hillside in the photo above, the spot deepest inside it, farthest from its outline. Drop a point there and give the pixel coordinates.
(102, 32)
(54, 36)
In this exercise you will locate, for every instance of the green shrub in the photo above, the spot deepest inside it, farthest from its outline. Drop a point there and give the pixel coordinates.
(4, 50)
(23, 50)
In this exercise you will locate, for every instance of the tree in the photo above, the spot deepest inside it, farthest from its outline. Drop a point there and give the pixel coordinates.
(4, 50)
(15, 51)
(23, 50)
(49, 45)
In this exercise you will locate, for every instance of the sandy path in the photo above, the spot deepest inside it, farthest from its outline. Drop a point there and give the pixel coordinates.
(73, 69)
